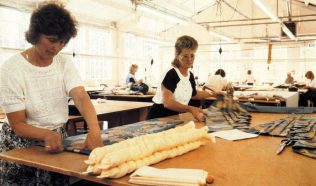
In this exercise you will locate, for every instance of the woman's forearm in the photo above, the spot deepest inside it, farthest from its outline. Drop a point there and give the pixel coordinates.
(87, 110)
(25, 130)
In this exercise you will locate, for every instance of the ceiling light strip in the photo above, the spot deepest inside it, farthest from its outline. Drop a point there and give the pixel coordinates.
(275, 18)
(162, 14)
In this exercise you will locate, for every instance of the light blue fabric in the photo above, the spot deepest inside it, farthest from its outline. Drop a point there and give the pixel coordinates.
(272, 109)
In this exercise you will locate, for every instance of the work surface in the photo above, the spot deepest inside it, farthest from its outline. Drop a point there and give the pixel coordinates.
(140, 98)
(116, 113)
(110, 106)
(245, 162)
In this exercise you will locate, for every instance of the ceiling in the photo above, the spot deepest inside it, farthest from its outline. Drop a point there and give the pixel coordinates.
(241, 21)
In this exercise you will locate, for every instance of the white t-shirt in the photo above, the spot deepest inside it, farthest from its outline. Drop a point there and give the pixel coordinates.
(130, 78)
(40, 91)
(310, 83)
(183, 88)
(217, 82)
(250, 79)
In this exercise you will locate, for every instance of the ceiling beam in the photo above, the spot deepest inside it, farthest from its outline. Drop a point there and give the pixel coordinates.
(262, 23)
(255, 19)
(235, 9)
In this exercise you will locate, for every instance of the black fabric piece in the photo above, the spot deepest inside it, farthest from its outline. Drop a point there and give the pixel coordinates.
(132, 80)
(159, 111)
(192, 81)
(143, 88)
(272, 109)
(171, 80)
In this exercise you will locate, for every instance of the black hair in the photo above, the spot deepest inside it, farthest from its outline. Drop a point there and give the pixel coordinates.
(220, 72)
(51, 19)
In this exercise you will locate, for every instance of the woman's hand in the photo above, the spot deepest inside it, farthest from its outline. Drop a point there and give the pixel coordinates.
(197, 113)
(53, 142)
(93, 141)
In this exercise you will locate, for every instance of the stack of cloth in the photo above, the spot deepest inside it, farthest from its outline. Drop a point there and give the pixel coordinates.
(298, 130)
(256, 96)
(227, 114)
(180, 177)
(119, 159)
(121, 133)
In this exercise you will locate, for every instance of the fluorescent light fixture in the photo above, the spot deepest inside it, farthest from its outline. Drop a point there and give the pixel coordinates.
(275, 18)
(267, 11)
(220, 36)
(157, 41)
(287, 32)
(162, 14)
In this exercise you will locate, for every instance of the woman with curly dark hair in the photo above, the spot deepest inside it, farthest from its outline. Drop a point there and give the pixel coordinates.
(34, 86)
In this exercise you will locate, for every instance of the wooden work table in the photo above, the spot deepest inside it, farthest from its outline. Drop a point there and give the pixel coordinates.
(115, 112)
(139, 98)
(245, 162)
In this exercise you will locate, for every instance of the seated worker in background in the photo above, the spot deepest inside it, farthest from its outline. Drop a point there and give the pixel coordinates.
(34, 86)
(311, 93)
(310, 80)
(311, 86)
(130, 79)
(217, 83)
(137, 85)
(250, 79)
(177, 86)
(289, 79)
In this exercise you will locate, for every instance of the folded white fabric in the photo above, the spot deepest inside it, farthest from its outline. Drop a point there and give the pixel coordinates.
(173, 176)
(234, 134)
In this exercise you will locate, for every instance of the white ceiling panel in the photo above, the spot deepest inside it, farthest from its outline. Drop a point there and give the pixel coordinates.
(240, 20)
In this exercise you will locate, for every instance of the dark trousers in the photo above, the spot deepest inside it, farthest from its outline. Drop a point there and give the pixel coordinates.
(304, 97)
(159, 111)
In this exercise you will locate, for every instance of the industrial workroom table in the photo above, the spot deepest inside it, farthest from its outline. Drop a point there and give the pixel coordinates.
(245, 162)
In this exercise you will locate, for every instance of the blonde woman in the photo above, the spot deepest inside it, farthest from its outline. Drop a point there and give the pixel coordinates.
(130, 79)
(178, 86)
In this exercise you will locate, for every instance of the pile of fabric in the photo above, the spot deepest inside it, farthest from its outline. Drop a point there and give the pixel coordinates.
(227, 114)
(298, 130)
(117, 160)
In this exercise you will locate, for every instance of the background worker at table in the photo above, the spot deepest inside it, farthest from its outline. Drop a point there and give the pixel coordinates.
(130, 78)
(34, 86)
(289, 78)
(178, 86)
(310, 95)
(217, 83)
(250, 79)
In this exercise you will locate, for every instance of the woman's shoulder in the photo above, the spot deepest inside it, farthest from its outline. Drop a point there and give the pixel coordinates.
(170, 72)
(61, 58)
(12, 63)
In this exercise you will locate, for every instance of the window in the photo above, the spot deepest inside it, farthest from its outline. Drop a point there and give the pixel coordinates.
(13, 24)
(144, 53)
(92, 46)
(93, 49)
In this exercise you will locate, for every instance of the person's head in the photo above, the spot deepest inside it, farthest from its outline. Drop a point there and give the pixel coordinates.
(51, 27)
(289, 74)
(185, 48)
(220, 72)
(133, 69)
(309, 75)
(249, 72)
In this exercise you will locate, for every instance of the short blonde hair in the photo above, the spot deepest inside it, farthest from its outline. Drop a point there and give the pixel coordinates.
(133, 66)
(182, 43)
